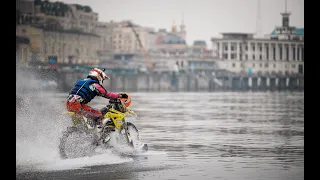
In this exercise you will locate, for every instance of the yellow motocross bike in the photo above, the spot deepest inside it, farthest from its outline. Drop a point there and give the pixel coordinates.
(85, 136)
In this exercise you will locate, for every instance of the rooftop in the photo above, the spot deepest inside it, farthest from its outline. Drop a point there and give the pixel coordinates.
(70, 31)
(199, 42)
(299, 31)
(236, 33)
(172, 39)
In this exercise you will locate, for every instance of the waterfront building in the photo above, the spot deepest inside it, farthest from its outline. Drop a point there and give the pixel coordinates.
(200, 58)
(280, 53)
(61, 46)
(121, 40)
(67, 16)
(23, 55)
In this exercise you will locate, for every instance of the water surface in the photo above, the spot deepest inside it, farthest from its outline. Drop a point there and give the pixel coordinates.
(190, 136)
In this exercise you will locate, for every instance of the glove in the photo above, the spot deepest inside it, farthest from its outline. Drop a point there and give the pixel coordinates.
(122, 95)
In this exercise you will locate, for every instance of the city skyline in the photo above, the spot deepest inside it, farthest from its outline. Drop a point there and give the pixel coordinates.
(199, 20)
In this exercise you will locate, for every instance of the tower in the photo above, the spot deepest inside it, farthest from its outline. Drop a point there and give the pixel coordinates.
(285, 16)
(258, 23)
(182, 28)
(174, 27)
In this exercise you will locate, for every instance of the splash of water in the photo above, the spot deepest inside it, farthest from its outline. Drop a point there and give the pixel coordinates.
(39, 125)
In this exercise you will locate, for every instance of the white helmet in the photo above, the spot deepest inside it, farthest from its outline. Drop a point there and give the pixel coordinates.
(99, 74)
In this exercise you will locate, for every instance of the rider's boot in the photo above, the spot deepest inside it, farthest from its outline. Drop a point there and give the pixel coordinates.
(105, 137)
(104, 110)
(98, 123)
(98, 129)
(102, 132)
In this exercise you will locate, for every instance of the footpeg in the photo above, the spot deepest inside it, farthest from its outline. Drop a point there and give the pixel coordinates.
(106, 139)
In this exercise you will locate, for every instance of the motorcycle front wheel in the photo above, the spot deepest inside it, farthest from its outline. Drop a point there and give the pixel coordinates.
(133, 131)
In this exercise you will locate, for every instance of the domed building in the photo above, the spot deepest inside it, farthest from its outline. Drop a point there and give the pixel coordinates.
(172, 48)
(172, 43)
(172, 39)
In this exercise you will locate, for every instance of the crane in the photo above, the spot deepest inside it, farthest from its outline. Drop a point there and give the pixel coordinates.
(143, 50)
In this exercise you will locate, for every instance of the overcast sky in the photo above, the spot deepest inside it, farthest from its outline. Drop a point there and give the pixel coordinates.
(203, 18)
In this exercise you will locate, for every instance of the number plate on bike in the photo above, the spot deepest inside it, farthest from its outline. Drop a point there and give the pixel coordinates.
(118, 123)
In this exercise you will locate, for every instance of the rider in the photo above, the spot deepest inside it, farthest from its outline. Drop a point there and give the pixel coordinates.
(85, 90)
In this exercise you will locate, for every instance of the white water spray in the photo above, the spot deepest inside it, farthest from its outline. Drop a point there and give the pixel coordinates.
(39, 125)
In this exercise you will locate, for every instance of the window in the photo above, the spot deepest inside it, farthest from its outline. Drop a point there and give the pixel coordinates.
(260, 64)
(267, 51)
(293, 66)
(294, 53)
(266, 65)
(226, 48)
(260, 57)
(232, 56)
(260, 48)
(246, 56)
(274, 65)
(232, 48)
(253, 48)
(253, 57)
(45, 48)
(25, 55)
(253, 65)
(287, 53)
(246, 47)
(274, 53)
(233, 65)
(225, 56)
(298, 55)
(280, 49)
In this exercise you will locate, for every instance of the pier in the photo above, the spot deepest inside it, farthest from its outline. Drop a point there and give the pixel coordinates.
(175, 82)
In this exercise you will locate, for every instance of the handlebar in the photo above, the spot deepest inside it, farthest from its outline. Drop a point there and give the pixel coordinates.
(118, 105)
(114, 100)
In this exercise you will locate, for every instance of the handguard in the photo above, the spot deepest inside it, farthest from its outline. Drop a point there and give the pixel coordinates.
(131, 112)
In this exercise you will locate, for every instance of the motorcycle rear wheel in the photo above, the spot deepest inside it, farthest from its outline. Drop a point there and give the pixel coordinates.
(76, 142)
